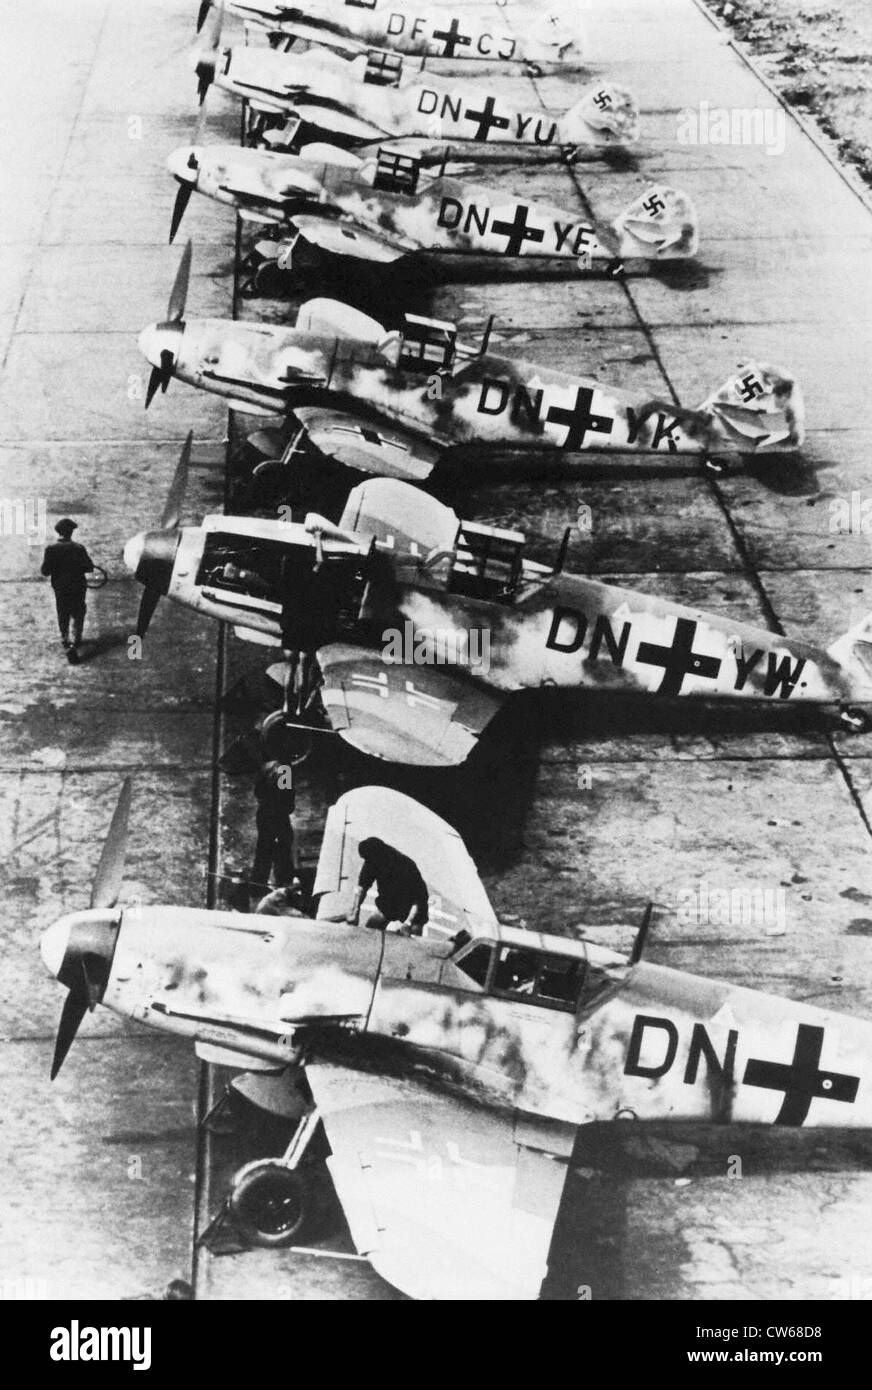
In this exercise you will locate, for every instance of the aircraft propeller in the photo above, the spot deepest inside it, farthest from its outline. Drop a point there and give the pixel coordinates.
(161, 375)
(186, 186)
(79, 952)
(152, 593)
(205, 69)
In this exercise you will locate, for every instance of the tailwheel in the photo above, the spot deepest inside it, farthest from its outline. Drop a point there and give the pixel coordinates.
(269, 1203)
(295, 740)
(854, 720)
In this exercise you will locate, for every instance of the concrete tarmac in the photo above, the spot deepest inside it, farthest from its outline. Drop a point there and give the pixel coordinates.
(602, 807)
(99, 1165)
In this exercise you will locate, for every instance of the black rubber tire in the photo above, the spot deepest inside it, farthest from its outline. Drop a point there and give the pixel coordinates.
(269, 1203)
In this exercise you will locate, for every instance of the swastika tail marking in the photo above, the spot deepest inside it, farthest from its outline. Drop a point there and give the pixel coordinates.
(800, 1079)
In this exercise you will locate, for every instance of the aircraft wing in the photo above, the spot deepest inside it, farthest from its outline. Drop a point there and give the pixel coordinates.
(389, 451)
(443, 1197)
(344, 238)
(332, 118)
(400, 516)
(458, 900)
(411, 714)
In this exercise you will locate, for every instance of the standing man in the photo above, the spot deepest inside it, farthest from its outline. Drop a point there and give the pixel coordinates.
(276, 799)
(310, 612)
(66, 563)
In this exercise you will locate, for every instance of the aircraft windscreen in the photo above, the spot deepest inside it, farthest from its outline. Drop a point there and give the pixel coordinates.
(539, 977)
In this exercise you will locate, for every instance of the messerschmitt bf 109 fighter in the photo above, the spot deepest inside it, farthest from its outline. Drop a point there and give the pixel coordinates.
(452, 1071)
(389, 207)
(424, 624)
(402, 400)
(423, 31)
(372, 97)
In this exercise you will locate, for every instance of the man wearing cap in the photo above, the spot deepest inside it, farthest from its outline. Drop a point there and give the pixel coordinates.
(66, 563)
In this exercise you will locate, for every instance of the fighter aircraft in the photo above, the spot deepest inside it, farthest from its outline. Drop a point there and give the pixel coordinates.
(427, 623)
(389, 207)
(397, 402)
(451, 1071)
(373, 97)
(423, 31)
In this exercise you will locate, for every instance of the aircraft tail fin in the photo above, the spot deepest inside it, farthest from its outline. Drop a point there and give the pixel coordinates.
(853, 651)
(605, 114)
(332, 318)
(759, 409)
(661, 225)
(559, 29)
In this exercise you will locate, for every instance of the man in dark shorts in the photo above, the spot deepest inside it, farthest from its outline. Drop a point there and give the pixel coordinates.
(274, 790)
(66, 563)
(309, 614)
(402, 894)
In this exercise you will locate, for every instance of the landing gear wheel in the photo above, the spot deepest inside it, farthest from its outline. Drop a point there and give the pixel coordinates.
(854, 720)
(296, 739)
(268, 1202)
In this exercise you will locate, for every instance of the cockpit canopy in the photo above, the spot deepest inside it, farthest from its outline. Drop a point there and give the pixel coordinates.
(534, 975)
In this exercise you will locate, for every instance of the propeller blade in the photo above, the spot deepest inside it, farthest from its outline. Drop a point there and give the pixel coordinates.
(178, 487)
(147, 604)
(205, 71)
(154, 381)
(110, 870)
(161, 376)
(200, 127)
(183, 197)
(179, 295)
(202, 13)
(74, 1010)
(96, 976)
(217, 25)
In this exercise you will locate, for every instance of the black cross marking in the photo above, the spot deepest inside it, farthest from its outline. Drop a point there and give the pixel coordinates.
(751, 387)
(603, 100)
(369, 436)
(487, 121)
(453, 38)
(578, 419)
(800, 1080)
(517, 232)
(680, 659)
(654, 205)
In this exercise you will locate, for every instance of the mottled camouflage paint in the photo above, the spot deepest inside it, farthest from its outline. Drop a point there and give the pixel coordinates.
(434, 32)
(444, 214)
(321, 90)
(487, 400)
(652, 1042)
(566, 631)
